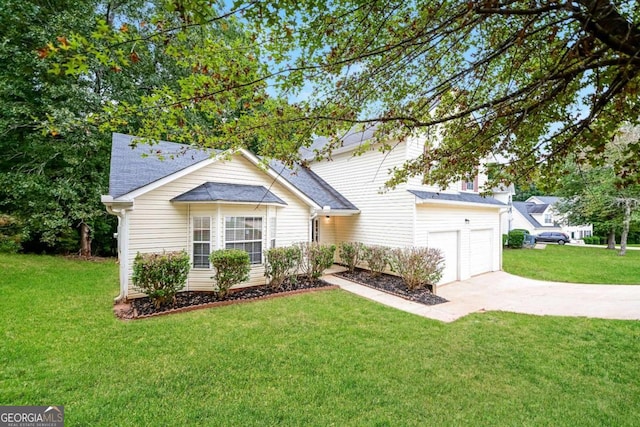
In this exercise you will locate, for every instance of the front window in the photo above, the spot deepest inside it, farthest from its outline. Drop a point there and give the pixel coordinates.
(548, 219)
(469, 185)
(201, 241)
(244, 233)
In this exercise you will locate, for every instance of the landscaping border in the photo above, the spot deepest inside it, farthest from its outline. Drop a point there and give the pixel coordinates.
(125, 311)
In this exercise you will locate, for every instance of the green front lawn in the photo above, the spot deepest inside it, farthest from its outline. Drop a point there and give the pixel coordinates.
(326, 358)
(574, 264)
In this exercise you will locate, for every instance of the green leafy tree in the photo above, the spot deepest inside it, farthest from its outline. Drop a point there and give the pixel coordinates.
(54, 139)
(50, 182)
(530, 82)
(603, 195)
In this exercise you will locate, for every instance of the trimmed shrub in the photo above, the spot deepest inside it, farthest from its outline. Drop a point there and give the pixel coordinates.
(417, 266)
(505, 239)
(350, 254)
(315, 258)
(281, 263)
(161, 275)
(377, 258)
(232, 266)
(516, 239)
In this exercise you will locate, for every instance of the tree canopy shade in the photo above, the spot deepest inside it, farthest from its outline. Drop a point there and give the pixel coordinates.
(526, 82)
(51, 182)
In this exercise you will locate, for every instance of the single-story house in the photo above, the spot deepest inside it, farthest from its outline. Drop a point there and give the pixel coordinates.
(171, 197)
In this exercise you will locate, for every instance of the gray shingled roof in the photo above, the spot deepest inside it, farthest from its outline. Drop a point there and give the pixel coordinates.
(459, 197)
(350, 138)
(135, 167)
(314, 187)
(550, 200)
(223, 192)
(536, 209)
(523, 208)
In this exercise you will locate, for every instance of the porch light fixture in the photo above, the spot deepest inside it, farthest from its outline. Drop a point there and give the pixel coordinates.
(466, 221)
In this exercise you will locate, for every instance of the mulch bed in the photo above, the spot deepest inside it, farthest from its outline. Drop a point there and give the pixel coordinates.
(393, 285)
(187, 301)
(140, 308)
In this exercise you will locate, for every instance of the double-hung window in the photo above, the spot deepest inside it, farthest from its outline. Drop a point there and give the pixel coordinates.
(244, 233)
(201, 241)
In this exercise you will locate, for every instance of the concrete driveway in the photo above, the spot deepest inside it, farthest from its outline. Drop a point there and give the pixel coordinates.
(500, 291)
(506, 292)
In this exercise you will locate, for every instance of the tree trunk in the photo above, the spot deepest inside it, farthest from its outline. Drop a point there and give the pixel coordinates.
(625, 227)
(85, 240)
(611, 240)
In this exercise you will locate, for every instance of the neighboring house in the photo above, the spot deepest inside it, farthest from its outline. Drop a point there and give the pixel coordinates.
(538, 214)
(201, 201)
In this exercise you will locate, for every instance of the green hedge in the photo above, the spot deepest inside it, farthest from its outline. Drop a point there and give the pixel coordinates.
(315, 258)
(350, 254)
(281, 264)
(231, 266)
(417, 266)
(161, 275)
(516, 239)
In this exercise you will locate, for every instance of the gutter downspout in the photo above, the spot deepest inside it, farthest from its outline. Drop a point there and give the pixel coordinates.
(123, 248)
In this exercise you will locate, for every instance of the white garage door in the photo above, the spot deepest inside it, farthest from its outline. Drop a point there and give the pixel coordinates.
(480, 253)
(447, 242)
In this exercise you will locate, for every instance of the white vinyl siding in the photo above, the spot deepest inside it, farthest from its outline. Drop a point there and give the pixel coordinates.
(385, 216)
(156, 224)
(272, 231)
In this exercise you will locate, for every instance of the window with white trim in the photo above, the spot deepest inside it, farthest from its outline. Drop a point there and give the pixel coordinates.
(244, 233)
(547, 219)
(201, 241)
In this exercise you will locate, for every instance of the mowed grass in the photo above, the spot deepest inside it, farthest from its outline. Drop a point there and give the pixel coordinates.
(317, 359)
(574, 264)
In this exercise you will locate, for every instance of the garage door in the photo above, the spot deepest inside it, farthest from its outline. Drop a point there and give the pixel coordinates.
(447, 242)
(480, 253)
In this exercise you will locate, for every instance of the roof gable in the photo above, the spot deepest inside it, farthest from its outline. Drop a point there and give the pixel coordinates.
(135, 167)
(523, 208)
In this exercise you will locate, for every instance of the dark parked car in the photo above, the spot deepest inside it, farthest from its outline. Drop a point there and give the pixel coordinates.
(553, 237)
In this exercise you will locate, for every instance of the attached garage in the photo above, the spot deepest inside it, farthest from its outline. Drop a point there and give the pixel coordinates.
(465, 227)
(448, 243)
(480, 251)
